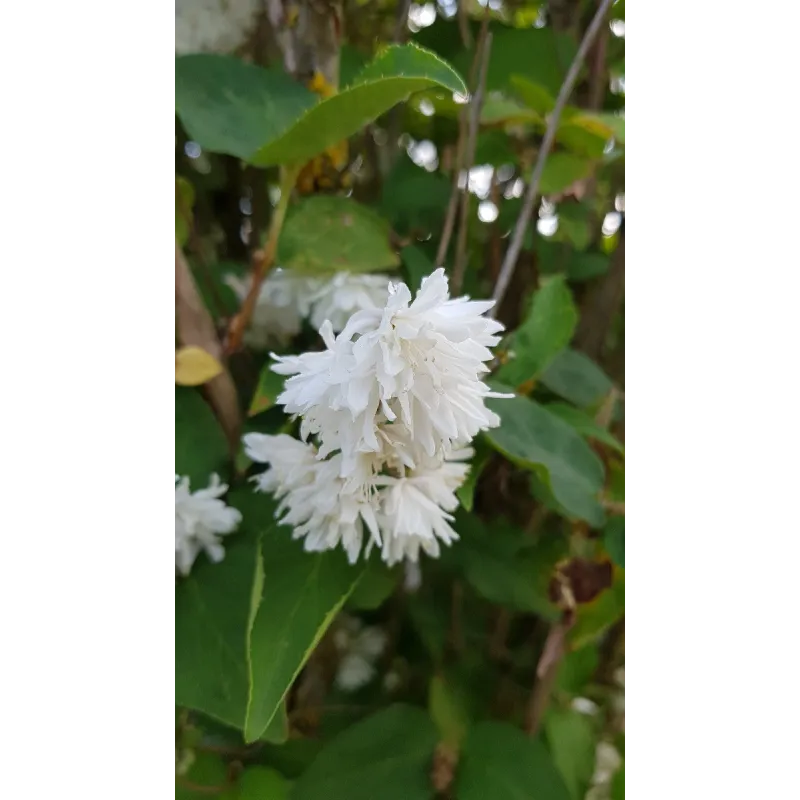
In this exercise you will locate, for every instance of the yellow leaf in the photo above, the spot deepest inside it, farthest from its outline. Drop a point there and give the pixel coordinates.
(194, 366)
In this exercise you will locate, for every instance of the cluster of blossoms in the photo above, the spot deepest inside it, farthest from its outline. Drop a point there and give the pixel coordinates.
(286, 298)
(388, 411)
(359, 647)
(201, 517)
(214, 26)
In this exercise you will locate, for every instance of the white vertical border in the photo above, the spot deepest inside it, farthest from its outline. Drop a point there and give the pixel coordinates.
(712, 437)
(86, 400)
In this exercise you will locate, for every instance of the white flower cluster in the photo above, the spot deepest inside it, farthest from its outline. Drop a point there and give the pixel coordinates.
(286, 298)
(213, 26)
(393, 402)
(201, 517)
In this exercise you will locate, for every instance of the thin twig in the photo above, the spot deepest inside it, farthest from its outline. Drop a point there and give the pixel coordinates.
(485, 45)
(463, 122)
(263, 263)
(512, 253)
(401, 21)
(463, 24)
(546, 672)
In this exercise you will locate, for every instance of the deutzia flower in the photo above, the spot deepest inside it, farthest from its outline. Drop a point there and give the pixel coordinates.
(414, 510)
(284, 301)
(359, 647)
(419, 362)
(390, 406)
(201, 517)
(344, 294)
(324, 508)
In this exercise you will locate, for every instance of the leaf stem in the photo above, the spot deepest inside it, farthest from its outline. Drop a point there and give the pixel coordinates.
(510, 262)
(263, 261)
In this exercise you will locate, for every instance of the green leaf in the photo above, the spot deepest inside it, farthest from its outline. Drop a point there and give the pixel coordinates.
(539, 55)
(585, 134)
(212, 610)
(518, 581)
(270, 385)
(302, 593)
(616, 123)
(572, 743)
(386, 756)
(207, 771)
(535, 96)
(618, 784)
(584, 425)
(576, 378)
(412, 197)
(561, 170)
(535, 439)
(583, 266)
(504, 111)
(229, 106)
(614, 539)
(375, 586)
(325, 234)
(277, 731)
(260, 783)
(417, 264)
(545, 332)
(448, 708)
(200, 445)
(574, 224)
(577, 669)
(395, 73)
(499, 762)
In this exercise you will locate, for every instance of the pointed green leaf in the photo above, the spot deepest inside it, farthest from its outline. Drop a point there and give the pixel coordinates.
(575, 377)
(614, 539)
(229, 106)
(561, 170)
(212, 610)
(533, 438)
(545, 332)
(200, 445)
(390, 78)
(325, 234)
(386, 756)
(302, 592)
(584, 424)
(572, 742)
(500, 762)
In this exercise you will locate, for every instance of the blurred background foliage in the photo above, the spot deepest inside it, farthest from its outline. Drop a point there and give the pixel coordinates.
(498, 670)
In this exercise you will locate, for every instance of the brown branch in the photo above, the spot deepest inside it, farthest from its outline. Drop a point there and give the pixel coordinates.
(510, 262)
(263, 261)
(195, 326)
(463, 24)
(485, 48)
(546, 672)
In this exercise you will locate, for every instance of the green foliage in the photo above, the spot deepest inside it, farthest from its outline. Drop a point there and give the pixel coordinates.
(200, 446)
(387, 755)
(212, 613)
(327, 234)
(390, 78)
(501, 762)
(301, 594)
(571, 738)
(265, 638)
(584, 424)
(544, 333)
(576, 378)
(448, 708)
(270, 385)
(229, 106)
(534, 438)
